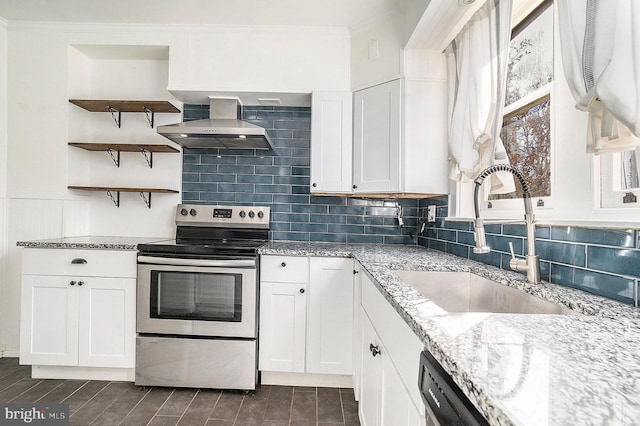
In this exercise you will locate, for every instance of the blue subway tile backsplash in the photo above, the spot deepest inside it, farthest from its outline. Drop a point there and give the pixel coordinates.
(601, 261)
(280, 179)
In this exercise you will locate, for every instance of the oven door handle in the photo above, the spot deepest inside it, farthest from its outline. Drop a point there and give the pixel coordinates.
(216, 263)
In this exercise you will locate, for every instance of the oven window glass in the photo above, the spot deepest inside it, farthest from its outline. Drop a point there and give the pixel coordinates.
(196, 296)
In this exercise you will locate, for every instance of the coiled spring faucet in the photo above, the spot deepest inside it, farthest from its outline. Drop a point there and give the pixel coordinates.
(531, 263)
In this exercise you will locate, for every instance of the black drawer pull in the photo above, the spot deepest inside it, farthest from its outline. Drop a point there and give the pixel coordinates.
(283, 264)
(78, 261)
(375, 350)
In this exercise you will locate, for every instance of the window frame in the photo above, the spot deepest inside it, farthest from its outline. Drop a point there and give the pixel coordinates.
(526, 12)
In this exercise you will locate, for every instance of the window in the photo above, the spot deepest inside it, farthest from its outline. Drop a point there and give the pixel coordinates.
(526, 131)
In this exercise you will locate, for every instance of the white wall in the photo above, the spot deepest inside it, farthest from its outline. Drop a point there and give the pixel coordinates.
(371, 66)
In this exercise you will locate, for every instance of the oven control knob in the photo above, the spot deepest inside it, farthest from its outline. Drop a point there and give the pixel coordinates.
(242, 213)
(184, 212)
(260, 214)
(251, 214)
(193, 212)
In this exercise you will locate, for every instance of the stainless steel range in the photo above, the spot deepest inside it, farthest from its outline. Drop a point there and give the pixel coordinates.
(197, 300)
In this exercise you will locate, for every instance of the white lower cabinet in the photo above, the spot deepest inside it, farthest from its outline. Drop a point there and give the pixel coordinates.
(306, 322)
(283, 310)
(86, 324)
(389, 362)
(77, 320)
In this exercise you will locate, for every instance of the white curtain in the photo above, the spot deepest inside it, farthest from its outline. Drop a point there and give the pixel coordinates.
(477, 66)
(600, 43)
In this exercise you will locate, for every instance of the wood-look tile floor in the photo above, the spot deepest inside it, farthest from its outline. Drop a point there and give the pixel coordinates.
(118, 403)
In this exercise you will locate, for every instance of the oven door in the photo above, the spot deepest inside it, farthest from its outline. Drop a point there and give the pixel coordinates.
(198, 297)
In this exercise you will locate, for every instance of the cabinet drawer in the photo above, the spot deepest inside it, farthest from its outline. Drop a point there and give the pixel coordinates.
(99, 263)
(284, 269)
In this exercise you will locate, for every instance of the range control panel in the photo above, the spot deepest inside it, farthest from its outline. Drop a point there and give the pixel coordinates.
(222, 216)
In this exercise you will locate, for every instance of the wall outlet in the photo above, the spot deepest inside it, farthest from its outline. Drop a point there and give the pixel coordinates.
(431, 214)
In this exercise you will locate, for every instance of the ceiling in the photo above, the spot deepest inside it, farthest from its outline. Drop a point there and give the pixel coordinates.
(317, 13)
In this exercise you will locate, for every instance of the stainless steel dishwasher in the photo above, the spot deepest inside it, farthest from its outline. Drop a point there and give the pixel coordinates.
(444, 401)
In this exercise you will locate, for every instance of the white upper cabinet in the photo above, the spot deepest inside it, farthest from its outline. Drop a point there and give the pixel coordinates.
(376, 138)
(400, 138)
(331, 142)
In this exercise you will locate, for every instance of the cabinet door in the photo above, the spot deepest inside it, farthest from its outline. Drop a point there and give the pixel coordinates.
(371, 374)
(283, 308)
(49, 320)
(330, 315)
(107, 322)
(395, 402)
(376, 138)
(331, 142)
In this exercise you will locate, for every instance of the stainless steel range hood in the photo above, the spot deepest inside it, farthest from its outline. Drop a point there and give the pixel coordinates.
(223, 129)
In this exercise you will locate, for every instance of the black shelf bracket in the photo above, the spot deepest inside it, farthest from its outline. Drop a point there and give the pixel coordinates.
(116, 115)
(149, 115)
(115, 200)
(148, 156)
(146, 199)
(116, 157)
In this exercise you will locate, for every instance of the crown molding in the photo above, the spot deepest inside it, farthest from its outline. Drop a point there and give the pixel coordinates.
(108, 27)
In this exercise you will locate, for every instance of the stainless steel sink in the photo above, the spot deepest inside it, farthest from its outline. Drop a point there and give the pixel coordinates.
(467, 292)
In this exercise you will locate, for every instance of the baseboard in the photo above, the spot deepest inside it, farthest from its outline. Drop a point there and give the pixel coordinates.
(82, 373)
(306, 379)
(9, 354)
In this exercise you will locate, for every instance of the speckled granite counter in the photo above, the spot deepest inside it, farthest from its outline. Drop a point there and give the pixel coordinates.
(518, 369)
(90, 242)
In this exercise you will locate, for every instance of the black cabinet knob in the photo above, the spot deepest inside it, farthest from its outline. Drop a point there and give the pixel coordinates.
(283, 264)
(355, 271)
(72, 283)
(80, 283)
(355, 186)
(314, 184)
(302, 290)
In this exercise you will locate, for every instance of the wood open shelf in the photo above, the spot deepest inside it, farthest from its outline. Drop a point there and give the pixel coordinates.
(117, 106)
(104, 105)
(124, 147)
(114, 149)
(116, 200)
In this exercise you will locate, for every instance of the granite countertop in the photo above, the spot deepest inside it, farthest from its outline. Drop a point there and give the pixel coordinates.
(518, 369)
(90, 242)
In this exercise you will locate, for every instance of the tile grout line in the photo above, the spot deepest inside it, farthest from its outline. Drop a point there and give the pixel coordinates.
(134, 407)
(50, 391)
(26, 390)
(213, 407)
(235, 419)
(160, 407)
